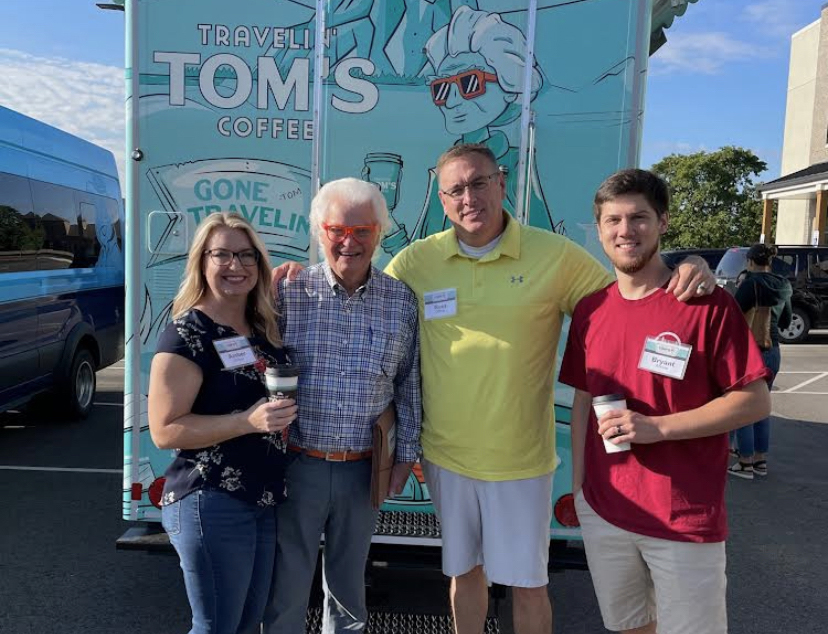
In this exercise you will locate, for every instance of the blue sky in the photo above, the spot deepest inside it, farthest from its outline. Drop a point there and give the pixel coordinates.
(721, 79)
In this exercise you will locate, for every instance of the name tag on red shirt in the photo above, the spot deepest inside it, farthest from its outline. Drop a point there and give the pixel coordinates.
(665, 354)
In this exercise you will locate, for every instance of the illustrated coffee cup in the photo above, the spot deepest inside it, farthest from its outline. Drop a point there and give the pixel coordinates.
(282, 381)
(603, 404)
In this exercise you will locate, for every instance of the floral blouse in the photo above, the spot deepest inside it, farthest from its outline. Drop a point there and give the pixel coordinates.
(249, 467)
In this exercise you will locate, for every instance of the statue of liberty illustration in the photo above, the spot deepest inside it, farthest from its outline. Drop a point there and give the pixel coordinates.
(479, 63)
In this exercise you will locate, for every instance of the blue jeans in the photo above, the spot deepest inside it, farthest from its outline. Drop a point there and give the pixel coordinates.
(334, 498)
(226, 547)
(755, 438)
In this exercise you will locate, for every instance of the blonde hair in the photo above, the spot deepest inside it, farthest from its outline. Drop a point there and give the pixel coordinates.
(260, 312)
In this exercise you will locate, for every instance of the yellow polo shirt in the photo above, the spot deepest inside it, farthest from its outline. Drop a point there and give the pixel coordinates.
(488, 371)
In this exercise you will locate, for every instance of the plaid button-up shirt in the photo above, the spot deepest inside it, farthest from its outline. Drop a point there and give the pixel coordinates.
(356, 355)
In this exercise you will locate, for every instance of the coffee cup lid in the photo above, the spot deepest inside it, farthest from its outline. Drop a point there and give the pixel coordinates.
(608, 398)
(282, 369)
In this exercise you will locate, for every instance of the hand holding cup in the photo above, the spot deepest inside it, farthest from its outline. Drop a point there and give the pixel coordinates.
(268, 417)
(608, 403)
(282, 382)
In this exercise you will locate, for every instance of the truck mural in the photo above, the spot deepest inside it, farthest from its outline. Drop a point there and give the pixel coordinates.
(250, 106)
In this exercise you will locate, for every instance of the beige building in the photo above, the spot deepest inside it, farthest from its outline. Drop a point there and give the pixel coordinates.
(802, 191)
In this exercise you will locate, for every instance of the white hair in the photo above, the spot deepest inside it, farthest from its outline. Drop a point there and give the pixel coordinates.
(353, 192)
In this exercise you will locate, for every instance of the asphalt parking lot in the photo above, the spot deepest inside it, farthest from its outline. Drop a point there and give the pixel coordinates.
(60, 483)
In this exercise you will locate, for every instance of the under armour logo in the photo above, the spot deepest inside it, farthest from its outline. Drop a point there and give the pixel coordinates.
(517, 279)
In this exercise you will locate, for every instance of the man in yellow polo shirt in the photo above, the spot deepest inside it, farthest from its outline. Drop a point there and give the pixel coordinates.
(492, 297)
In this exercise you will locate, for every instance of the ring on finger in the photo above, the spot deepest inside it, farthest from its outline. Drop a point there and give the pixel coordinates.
(618, 431)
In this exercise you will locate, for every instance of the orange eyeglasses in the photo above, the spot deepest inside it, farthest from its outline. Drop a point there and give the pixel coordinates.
(338, 233)
(470, 84)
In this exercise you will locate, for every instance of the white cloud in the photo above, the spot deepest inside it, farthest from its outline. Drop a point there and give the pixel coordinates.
(84, 99)
(779, 18)
(704, 53)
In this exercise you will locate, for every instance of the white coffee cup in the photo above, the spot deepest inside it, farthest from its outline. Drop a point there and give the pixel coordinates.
(603, 404)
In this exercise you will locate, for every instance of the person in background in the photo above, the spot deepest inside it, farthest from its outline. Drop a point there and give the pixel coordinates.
(207, 400)
(760, 287)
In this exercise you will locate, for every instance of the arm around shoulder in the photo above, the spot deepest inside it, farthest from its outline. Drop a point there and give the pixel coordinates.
(586, 274)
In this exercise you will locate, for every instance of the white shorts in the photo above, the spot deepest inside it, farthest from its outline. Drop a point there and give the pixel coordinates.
(639, 579)
(502, 526)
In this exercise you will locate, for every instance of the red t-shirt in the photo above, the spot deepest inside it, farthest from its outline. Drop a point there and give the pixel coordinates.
(671, 489)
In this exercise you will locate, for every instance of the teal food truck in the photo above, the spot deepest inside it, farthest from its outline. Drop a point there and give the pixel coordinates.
(249, 106)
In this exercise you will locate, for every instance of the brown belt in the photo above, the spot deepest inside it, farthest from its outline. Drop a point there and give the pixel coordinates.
(333, 456)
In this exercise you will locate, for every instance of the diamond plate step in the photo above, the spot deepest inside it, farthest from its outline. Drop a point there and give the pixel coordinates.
(403, 524)
(396, 623)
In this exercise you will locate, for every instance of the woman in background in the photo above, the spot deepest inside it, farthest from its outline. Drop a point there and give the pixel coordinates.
(760, 287)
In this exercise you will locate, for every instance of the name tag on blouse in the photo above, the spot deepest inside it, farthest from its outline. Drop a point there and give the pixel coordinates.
(234, 352)
(665, 355)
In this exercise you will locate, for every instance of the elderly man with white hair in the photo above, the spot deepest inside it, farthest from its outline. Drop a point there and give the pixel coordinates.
(353, 331)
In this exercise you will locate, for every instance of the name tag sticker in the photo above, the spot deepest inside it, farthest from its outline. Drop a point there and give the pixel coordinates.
(234, 352)
(665, 355)
(440, 304)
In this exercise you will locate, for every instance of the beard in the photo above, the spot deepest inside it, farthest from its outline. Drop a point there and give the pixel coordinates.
(634, 265)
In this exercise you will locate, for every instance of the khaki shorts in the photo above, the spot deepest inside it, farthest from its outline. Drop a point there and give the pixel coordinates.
(639, 579)
(502, 526)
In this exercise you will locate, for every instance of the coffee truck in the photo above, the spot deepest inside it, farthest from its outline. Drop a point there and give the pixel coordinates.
(249, 106)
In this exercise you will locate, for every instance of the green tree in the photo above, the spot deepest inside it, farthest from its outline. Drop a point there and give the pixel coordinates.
(713, 198)
(15, 234)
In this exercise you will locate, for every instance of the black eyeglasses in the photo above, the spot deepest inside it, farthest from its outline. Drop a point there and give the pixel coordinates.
(476, 185)
(223, 257)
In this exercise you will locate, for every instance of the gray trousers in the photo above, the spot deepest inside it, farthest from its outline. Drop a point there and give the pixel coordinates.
(334, 498)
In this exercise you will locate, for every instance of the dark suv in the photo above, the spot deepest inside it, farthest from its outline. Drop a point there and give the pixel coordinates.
(711, 256)
(806, 268)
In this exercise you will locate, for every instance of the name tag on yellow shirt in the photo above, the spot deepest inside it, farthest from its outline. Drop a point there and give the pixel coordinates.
(440, 304)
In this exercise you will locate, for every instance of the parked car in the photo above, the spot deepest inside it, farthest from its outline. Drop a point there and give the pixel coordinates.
(806, 268)
(711, 256)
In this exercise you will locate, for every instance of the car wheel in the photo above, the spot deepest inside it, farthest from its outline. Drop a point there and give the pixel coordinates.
(799, 328)
(79, 389)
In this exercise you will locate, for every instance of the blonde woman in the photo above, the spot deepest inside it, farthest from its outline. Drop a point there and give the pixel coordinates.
(207, 400)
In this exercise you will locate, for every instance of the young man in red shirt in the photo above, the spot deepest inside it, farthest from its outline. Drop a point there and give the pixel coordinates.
(653, 517)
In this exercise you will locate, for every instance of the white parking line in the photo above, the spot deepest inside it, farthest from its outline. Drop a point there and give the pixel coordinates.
(786, 393)
(819, 377)
(60, 469)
